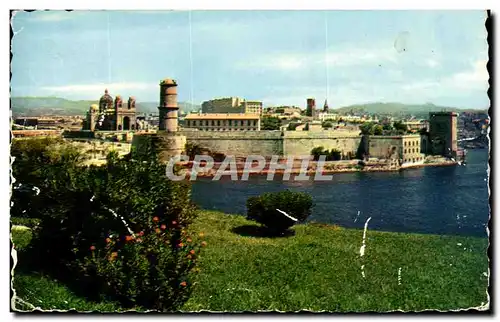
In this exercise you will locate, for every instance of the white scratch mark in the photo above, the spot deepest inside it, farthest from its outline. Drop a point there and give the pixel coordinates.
(363, 246)
(284, 213)
(485, 274)
(92, 199)
(459, 244)
(356, 219)
(363, 271)
(399, 276)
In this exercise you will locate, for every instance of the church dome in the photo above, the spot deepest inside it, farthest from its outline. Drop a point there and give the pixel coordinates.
(106, 98)
(94, 107)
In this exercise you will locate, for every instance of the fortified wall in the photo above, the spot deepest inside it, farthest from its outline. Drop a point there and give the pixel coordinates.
(242, 144)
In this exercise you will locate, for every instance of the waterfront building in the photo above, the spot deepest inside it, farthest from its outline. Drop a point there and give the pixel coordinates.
(406, 148)
(443, 133)
(223, 121)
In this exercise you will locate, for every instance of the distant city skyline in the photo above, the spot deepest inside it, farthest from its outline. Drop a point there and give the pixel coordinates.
(279, 57)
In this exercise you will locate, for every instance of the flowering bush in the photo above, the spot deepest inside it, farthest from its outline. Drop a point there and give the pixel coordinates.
(83, 210)
(268, 209)
(149, 269)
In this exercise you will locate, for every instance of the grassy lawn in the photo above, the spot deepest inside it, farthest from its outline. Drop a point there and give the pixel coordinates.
(318, 268)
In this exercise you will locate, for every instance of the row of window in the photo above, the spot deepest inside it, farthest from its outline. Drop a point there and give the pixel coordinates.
(228, 129)
(223, 122)
(411, 143)
(413, 160)
(414, 150)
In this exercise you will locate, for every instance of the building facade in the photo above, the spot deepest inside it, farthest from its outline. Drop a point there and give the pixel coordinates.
(231, 105)
(443, 133)
(406, 148)
(223, 122)
(111, 115)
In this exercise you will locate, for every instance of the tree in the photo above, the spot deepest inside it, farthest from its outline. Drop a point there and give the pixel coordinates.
(117, 231)
(327, 124)
(317, 152)
(378, 130)
(400, 127)
(366, 129)
(271, 123)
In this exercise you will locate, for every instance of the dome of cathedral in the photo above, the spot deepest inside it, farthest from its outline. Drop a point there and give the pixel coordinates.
(94, 107)
(106, 98)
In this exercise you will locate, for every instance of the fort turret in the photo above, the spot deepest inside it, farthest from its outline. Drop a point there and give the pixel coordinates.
(168, 108)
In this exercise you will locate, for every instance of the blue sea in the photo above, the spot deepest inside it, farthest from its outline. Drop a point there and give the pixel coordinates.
(450, 200)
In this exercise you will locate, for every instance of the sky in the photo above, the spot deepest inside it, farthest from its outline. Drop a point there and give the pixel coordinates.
(279, 57)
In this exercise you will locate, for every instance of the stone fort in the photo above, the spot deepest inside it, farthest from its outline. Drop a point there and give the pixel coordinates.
(170, 141)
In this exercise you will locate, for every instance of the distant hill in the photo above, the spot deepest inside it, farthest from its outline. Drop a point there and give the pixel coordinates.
(39, 106)
(399, 109)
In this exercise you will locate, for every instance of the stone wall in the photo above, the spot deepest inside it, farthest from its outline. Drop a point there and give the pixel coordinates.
(302, 142)
(240, 143)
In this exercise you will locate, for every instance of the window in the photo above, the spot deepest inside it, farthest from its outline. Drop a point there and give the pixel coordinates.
(218, 122)
(405, 149)
(230, 122)
(241, 123)
(213, 123)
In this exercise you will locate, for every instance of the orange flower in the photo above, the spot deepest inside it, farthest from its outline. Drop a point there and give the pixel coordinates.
(108, 240)
(92, 248)
(158, 230)
(113, 256)
(163, 226)
(183, 283)
(203, 243)
(201, 234)
(156, 219)
(174, 222)
(129, 238)
(191, 251)
(181, 245)
(189, 240)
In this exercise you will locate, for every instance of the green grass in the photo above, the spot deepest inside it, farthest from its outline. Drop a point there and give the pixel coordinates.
(47, 294)
(319, 268)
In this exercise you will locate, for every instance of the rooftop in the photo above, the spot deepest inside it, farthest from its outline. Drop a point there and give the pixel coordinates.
(222, 116)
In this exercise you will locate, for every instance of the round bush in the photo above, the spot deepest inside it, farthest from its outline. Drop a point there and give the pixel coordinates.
(268, 209)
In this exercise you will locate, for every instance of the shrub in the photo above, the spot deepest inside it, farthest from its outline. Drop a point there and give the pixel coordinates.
(79, 207)
(263, 209)
(149, 269)
(28, 222)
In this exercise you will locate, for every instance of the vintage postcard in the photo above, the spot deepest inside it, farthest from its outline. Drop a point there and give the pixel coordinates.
(249, 161)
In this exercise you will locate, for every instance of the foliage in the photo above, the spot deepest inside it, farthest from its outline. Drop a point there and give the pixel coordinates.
(149, 269)
(367, 128)
(270, 123)
(263, 209)
(28, 222)
(400, 127)
(21, 237)
(79, 208)
(378, 130)
(327, 124)
(333, 155)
